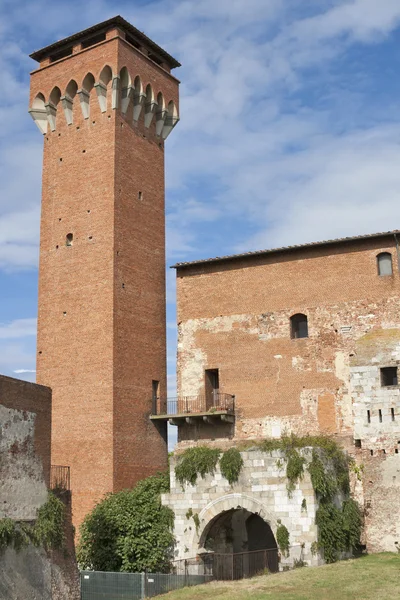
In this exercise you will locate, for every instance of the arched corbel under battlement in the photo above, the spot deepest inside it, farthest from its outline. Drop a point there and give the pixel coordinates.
(67, 101)
(102, 86)
(52, 106)
(38, 113)
(161, 114)
(150, 106)
(126, 89)
(139, 98)
(84, 94)
(225, 503)
(171, 120)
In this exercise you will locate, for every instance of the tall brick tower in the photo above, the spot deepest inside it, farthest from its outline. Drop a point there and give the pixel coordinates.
(105, 101)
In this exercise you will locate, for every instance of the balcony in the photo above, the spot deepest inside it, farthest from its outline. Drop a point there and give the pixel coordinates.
(212, 408)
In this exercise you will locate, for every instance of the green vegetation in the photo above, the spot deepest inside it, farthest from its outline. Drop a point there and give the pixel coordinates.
(130, 530)
(282, 538)
(375, 577)
(231, 464)
(194, 462)
(46, 531)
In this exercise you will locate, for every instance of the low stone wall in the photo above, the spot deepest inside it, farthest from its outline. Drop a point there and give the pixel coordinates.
(261, 490)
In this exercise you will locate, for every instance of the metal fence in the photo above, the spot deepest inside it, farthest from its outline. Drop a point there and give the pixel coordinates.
(60, 478)
(97, 585)
(187, 405)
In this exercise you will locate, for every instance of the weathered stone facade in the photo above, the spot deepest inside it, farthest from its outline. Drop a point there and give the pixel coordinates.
(261, 490)
(25, 434)
(235, 319)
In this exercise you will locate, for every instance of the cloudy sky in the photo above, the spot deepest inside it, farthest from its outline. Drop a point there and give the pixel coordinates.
(289, 132)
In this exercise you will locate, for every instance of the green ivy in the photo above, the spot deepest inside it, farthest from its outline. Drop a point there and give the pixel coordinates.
(46, 531)
(282, 538)
(294, 469)
(231, 464)
(194, 462)
(130, 530)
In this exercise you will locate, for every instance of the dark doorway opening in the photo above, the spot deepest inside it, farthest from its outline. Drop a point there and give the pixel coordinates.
(211, 387)
(239, 544)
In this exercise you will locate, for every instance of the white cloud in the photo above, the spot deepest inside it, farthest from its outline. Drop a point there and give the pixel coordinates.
(19, 328)
(20, 371)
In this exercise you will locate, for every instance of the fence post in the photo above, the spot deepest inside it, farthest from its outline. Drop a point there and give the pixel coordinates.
(143, 585)
(232, 564)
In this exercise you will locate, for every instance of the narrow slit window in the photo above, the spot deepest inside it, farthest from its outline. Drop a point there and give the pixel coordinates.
(298, 326)
(380, 416)
(389, 376)
(368, 416)
(385, 265)
(392, 413)
(69, 240)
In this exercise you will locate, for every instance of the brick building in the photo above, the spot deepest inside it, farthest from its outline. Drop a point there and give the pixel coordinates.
(304, 339)
(105, 101)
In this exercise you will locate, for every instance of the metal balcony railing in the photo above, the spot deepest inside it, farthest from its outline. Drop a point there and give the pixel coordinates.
(214, 402)
(60, 478)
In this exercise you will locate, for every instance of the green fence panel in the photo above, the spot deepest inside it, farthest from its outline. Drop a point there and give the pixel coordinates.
(96, 585)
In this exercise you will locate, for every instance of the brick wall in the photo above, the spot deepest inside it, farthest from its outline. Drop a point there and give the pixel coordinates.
(101, 328)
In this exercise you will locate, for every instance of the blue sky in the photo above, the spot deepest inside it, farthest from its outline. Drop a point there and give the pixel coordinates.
(289, 132)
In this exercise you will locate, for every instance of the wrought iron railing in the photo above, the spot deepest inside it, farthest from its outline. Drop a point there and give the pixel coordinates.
(230, 566)
(216, 401)
(60, 478)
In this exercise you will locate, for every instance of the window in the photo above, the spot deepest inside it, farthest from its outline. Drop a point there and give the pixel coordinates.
(61, 54)
(389, 376)
(69, 239)
(368, 416)
(96, 39)
(392, 413)
(385, 266)
(298, 326)
(155, 394)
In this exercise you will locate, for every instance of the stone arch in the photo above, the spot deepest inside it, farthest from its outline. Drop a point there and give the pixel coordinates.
(106, 75)
(231, 502)
(55, 96)
(88, 82)
(71, 89)
(161, 114)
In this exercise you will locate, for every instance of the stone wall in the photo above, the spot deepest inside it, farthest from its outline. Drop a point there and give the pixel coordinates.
(25, 434)
(261, 490)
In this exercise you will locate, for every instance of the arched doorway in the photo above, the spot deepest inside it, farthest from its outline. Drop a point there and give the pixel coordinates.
(239, 544)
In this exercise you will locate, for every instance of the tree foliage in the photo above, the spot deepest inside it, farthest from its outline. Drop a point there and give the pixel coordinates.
(130, 530)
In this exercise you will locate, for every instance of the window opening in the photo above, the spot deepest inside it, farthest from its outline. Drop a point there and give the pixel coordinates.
(380, 416)
(357, 443)
(155, 394)
(212, 388)
(385, 266)
(69, 239)
(392, 413)
(369, 416)
(389, 376)
(93, 40)
(372, 452)
(131, 40)
(140, 195)
(298, 326)
(61, 54)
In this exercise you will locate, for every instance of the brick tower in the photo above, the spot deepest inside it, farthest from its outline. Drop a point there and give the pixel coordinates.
(105, 101)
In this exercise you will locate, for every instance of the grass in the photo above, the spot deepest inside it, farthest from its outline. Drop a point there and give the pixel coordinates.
(374, 577)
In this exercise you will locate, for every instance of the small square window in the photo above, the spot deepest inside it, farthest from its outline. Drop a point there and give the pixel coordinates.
(389, 376)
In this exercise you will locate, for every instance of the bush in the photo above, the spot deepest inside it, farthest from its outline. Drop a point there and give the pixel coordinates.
(129, 531)
(231, 464)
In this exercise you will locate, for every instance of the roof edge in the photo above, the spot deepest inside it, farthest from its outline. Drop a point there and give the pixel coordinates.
(230, 257)
(38, 55)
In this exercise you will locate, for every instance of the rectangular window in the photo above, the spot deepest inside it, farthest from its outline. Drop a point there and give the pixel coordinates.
(380, 416)
(392, 412)
(369, 416)
(61, 54)
(155, 395)
(96, 39)
(389, 376)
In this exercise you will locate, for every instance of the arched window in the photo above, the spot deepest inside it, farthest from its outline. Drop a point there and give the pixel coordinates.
(69, 239)
(298, 326)
(385, 266)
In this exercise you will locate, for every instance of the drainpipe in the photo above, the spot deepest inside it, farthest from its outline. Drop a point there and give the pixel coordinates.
(398, 251)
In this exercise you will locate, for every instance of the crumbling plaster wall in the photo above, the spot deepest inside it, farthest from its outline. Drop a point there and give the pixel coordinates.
(25, 436)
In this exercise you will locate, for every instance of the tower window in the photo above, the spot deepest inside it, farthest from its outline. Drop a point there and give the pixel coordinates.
(385, 266)
(96, 39)
(368, 416)
(380, 416)
(298, 326)
(140, 196)
(389, 376)
(392, 413)
(69, 239)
